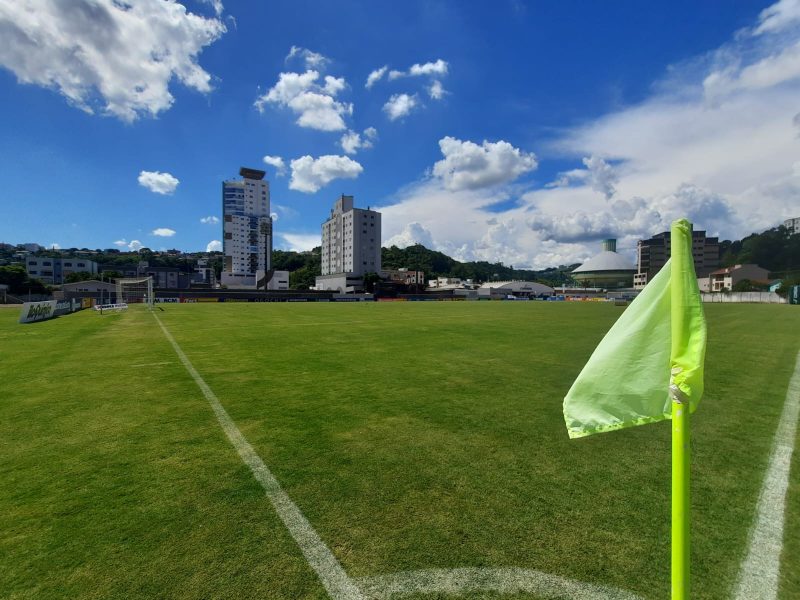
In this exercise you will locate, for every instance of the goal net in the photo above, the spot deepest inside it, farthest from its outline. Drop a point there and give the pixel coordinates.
(131, 291)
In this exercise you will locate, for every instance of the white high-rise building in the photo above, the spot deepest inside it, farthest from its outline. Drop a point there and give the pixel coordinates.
(246, 230)
(351, 246)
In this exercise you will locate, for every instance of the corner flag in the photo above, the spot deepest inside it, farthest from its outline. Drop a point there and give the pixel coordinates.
(653, 352)
(649, 367)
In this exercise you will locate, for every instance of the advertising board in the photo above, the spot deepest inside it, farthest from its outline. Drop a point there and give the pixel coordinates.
(37, 311)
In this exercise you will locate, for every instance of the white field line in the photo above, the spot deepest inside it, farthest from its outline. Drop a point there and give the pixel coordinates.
(460, 582)
(758, 574)
(456, 582)
(331, 574)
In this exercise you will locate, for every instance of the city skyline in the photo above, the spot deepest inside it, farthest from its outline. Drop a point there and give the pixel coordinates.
(520, 133)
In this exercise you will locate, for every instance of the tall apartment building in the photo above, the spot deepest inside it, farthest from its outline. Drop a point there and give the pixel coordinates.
(793, 225)
(351, 246)
(652, 254)
(246, 230)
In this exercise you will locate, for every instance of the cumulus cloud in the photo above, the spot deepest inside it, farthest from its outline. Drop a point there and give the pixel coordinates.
(399, 105)
(352, 141)
(438, 68)
(121, 243)
(210, 220)
(313, 103)
(436, 91)
(214, 246)
(413, 233)
(598, 174)
(117, 58)
(157, 182)
(310, 174)
(163, 232)
(300, 242)
(466, 165)
(312, 60)
(135, 245)
(277, 163)
(375, 76)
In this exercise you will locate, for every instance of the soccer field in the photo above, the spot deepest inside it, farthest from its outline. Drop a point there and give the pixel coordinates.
(420, 445)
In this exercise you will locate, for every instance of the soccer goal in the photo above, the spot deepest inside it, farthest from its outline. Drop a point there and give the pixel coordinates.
(135, 290)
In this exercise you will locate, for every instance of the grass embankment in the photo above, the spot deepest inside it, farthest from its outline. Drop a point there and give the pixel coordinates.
(412, 436)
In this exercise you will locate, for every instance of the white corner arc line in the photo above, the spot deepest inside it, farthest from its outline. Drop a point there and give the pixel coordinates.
(460, 582)
(760, 569)
(330, 572)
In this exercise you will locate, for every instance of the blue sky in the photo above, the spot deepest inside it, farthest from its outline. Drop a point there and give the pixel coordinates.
(516, 131)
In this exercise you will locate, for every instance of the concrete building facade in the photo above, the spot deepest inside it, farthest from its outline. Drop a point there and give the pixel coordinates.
(55, 270)
(246, 231)
(351, 246)
(653, 253)
(724, 279)
(792, 225)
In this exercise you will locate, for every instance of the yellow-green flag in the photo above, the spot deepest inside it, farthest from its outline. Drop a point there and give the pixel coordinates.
(652, 354)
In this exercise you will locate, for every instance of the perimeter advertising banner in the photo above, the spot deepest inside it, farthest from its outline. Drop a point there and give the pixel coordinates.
(37, 311)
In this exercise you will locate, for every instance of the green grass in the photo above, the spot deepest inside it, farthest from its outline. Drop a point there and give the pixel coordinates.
(412, 436)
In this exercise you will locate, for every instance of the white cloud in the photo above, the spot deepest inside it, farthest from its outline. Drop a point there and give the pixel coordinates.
(413, 233)
(163, 232)
(157, 182)
(135, 245)
(351, 141)
(277, 163)
(216, 5)
(300, 242)
(779, 16)
(214, 246)
(210, 220)
(314, 104)
(438, 68)
(334, 85)
(466, 165)
(598, 174)
(310, 174)
(114, 57)
(121, 243)
(54, 246)
(399, 105)
(436, 91)
(435, 68)
(729, 164)
(312, 60)
(375, 76)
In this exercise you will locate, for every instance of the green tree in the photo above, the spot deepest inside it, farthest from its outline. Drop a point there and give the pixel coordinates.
(79, 276)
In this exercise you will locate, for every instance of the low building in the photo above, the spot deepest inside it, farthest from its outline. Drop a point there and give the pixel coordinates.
(55, 270)
(404, 276)
(724, 279)
(514, 289)
(101, 291)
(446, 283)
(606, 270)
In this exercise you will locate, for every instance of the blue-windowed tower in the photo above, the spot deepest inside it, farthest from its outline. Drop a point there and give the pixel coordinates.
(246, 230)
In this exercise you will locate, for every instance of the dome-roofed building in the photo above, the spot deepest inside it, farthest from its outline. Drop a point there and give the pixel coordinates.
(607, 270)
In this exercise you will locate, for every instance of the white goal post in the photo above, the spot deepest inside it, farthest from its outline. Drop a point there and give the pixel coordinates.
(131, 291)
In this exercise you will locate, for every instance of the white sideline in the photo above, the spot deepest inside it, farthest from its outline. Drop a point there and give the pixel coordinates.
(330, 572)
(760, 569)
(339, 586)
(459, 582)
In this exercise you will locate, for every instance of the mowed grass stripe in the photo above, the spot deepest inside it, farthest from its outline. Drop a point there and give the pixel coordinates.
(416, 436)
(319, 557)
(419, 441)
(117, 482)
